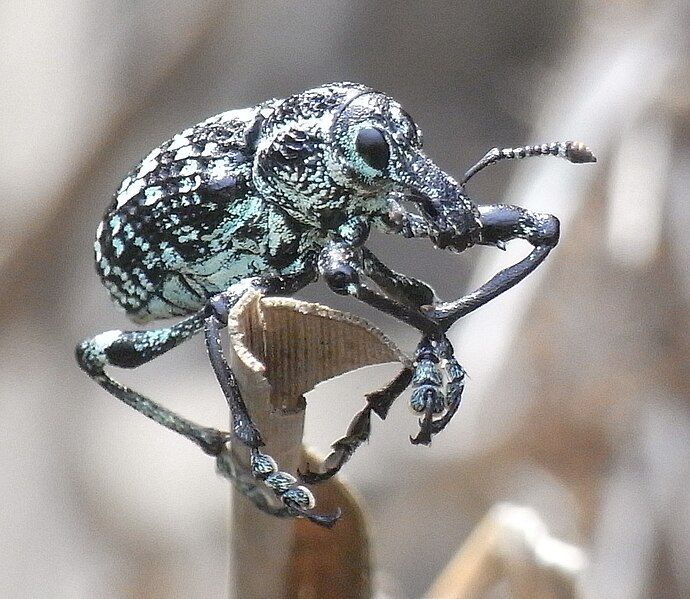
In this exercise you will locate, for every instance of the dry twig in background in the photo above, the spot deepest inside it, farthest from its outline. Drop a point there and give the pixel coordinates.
(511, 543)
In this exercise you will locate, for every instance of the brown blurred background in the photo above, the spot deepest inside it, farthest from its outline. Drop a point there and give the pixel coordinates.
(578, 402)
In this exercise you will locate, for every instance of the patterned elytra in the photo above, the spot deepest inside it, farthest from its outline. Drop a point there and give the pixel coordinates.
(170, 224)
(271, 198)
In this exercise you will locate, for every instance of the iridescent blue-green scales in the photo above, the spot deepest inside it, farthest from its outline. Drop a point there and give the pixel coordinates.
(271, 198)
(199, 214)
(187, 222)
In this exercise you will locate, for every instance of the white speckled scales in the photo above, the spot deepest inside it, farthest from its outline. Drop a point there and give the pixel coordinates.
(246, 193)
(170, 237)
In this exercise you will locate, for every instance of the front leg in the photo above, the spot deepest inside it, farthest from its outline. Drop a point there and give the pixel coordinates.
(438, 379)
(341, 263)
(435, 366)
(500, 224)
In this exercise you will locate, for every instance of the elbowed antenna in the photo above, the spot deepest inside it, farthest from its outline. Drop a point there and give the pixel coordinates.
(574, 151)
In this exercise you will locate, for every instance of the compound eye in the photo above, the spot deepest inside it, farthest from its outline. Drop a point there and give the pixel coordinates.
(373, 148)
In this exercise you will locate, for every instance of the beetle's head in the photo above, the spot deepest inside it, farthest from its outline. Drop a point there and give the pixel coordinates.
(344, 150)
(380, 148)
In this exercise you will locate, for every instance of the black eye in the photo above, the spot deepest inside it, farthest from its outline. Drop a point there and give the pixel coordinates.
(373, 148)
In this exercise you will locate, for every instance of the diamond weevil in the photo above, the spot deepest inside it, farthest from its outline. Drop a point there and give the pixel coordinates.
(271, 198)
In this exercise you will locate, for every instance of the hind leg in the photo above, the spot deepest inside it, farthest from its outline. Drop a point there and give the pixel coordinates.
(130, 349)
(296, 499)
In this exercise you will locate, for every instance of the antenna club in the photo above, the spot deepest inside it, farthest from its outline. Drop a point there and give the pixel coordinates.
(578, 153)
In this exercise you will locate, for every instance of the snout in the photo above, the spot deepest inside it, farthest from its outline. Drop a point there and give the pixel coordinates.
(453, 219)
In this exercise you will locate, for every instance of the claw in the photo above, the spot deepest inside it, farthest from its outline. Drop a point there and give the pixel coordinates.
(325, 520)
(213, 442)
(422, 438)
(425, 428)
(311, 477)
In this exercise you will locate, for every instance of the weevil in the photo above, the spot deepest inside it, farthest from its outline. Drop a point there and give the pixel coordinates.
(271, 198)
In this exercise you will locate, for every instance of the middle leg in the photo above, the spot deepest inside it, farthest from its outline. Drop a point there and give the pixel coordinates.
(340, 265)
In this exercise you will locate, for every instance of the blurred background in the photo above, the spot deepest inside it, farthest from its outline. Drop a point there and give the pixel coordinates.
(578, 402)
